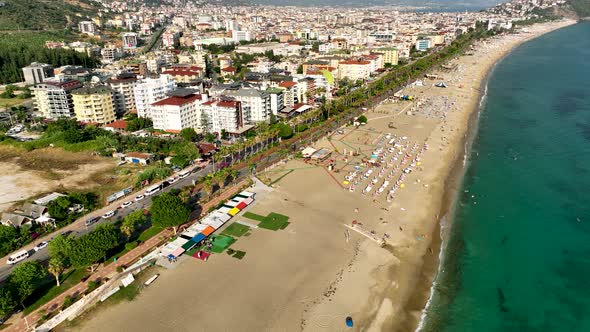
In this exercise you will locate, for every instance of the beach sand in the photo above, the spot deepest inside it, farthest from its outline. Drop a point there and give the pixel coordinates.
(309, 276)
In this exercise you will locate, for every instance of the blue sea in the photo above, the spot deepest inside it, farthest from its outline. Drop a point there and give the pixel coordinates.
(517, 257)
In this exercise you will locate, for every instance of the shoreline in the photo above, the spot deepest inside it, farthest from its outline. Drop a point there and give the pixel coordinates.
(425, 286)
(309, 276)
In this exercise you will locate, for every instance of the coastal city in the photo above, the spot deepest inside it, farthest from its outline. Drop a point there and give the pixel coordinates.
(291, 165)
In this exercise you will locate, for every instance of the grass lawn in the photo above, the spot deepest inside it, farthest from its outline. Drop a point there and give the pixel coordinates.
(254, 216)
(236, 230)
(9, 102)
(50, 290)
(239, 254)
(221, 243)
(273, 221)
(149, 233)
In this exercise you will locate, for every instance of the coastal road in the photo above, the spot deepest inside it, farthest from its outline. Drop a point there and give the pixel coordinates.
(78, 227)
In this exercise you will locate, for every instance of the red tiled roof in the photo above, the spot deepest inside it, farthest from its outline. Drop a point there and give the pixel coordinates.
(353, 62)
(287, 84)
(230, 103)
(176, 72)
(138, 155)
(172, 131)
(177, 100)
(119, 124)
(229, 69)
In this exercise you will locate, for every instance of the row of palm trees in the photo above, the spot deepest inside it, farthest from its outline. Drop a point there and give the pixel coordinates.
(219, 179)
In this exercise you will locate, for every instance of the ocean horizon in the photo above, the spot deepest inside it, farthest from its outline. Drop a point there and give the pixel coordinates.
(516, 256)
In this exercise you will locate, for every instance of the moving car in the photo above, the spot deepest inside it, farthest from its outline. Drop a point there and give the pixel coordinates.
(126, 204)
(40, 246)
(17, 257)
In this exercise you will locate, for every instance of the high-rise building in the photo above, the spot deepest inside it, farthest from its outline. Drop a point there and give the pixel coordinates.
(150, 90)
(36, 73)
(239, 36)
(255, 103)
(223, 115)
(53, 98)
(94, 105)
(123, 92)
(130, 40)
(231, 25)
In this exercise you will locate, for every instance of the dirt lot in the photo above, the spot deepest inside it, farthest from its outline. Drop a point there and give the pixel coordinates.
(24, 175)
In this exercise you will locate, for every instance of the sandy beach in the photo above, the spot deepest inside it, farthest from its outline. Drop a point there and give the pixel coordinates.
(317, 271)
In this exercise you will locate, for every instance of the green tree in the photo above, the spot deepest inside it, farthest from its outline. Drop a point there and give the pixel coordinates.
(9, 239)
(7, 302)
(24, 279)
(285, 131)
(180, 161)
(60, 247)
(90, 248)
(362, 119)
(189, 134)
(131, 221)
(300, 69)
(57, 266)
(316, 46)
(72, 136)
(58, 208)
(169, 211)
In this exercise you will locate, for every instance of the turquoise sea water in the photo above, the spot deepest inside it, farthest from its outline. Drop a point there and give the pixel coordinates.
(517, 257)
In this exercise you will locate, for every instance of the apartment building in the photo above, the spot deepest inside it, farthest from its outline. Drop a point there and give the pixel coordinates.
(390, 55)
(94, 105)
(290, 93)
(182, 110)
(185, 74)
(149, 90)
(123, 92)
(255, 103)
(354, 69)
(223, 115)
(277, 102)
(53, 98)
(36, 73)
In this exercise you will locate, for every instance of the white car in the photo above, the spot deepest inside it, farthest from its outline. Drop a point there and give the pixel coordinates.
(40, 246)
(108, 214)
(173, 180)
(139, 198)
(126, 204)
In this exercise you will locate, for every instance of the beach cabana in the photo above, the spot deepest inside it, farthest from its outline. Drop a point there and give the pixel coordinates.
(223, 216)
(189, 245)
(224, 209)
(246, 194)
(189, 233)
(198, 238)
(234, 211)
(202, 255)
(208, 231)
(215, 223)
(241, 206)
(197, 228)
(231, 204)
(177, 252)
(249, 200)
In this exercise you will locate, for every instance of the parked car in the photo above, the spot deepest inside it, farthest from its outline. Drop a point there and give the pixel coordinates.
(91, 221)
(40, 246)
(108, 214)
(139, 198)
(67, 233)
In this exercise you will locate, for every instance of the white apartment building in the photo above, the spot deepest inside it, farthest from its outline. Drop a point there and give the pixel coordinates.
(222, 115)
(53, 98)
(354, 70)
(149, 90)
(238, 36)
(255, 103)
(87, 27)
(177, 112)
(290, 93)
(123, 92)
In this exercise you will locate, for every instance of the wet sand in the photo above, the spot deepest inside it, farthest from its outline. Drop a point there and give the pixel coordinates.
(308, 276)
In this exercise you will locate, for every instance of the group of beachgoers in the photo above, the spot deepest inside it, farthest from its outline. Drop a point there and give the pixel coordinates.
(393, 156)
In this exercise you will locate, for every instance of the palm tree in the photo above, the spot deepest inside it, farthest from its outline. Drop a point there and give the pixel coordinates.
(208, 185)
(56, 267)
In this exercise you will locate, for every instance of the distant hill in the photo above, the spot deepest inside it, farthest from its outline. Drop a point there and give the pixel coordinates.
(580, 7)
(43, 14)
